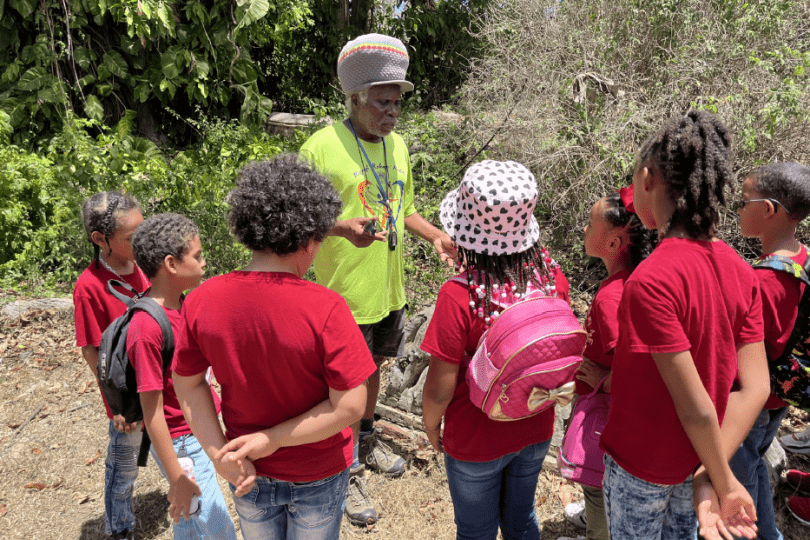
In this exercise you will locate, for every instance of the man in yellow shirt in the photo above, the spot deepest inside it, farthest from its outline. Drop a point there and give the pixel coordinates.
(362, 259)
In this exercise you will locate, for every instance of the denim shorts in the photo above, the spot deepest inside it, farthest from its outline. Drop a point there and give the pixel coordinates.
(640, 510)
(386, 338)
(275, 509)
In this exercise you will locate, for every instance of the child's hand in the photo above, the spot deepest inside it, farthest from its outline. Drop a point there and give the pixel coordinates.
(121, 425)
(707, 507)
(253, 446)
(435, 438)
(239, 472)
(180, 493)
(738, 509)
(591, 373)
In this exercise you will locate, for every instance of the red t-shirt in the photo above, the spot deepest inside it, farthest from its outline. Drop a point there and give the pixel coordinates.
(602, 325)
(781, 294)
(144, 344)
(277, 344)
(96, 308)
(452, 336)
(691, 296)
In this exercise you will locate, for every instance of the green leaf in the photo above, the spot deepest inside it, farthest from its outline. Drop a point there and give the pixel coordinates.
(86, 80)
(103, 89)
(201, 69)
(126, 123)
(116, 64)
(254, 10)
(32, 79)
(168, 64)
(142, 92)
(25, 7)
(11, 73)
(83, 57)
(94, 109)
(168, 85)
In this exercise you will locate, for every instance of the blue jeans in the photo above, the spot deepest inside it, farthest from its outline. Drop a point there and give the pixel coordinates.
(645, 511)
(500, 492)
(278, 510)
(121, 470)
(212, 520)
(748, 465)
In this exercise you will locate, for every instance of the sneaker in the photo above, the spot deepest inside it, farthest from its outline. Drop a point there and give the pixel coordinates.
(798, 443)
(359, 508)
(379, 456)
(800, 508)
(799, 481)
(575, 512)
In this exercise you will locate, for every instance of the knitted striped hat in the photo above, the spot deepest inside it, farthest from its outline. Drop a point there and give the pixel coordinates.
(370, 60)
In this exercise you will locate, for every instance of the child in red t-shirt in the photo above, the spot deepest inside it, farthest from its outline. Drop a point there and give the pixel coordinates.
(492, 466)
(775, 198)
(110, 220)
(287, 354)
(168, 250)
(616, 236)
(690, 323)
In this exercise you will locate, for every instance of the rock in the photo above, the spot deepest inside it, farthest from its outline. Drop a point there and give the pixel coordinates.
(21, 307)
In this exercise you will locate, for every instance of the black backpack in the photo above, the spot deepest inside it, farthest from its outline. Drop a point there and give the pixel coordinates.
(116, 376)
(790, 373)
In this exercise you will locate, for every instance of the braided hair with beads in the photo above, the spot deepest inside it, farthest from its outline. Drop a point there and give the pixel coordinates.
(99, 213)
(502, 279)
(691, 155)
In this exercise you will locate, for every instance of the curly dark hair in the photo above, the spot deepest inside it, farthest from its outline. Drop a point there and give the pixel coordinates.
(788, 183)
(641, 242)
(691, 153)
(513, 271)
(159, 236)
(281, 204)
(100, 213)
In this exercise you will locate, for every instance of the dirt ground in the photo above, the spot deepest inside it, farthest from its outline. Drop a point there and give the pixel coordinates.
(53, 440)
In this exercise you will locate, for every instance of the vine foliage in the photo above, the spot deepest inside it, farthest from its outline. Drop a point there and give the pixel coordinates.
(102, 58)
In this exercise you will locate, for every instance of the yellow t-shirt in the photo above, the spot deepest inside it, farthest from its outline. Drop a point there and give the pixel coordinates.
(371, 279)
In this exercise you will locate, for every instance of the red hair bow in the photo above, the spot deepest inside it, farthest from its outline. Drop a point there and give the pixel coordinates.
(626, 195)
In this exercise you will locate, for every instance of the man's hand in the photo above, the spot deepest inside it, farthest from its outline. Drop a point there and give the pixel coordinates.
(121, 425)
(446, 249)
(591, 373)
(352, 230)
(180, 492)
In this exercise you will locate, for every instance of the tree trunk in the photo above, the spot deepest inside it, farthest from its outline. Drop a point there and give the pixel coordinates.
(360, 16)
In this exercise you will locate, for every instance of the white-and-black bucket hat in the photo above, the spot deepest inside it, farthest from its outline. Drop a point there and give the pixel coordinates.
(492, 210)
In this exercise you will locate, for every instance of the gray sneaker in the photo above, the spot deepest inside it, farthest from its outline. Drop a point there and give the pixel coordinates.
(376, 454)
(359, 508)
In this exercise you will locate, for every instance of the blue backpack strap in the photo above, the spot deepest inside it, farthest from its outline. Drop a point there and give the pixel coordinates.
(781, 263)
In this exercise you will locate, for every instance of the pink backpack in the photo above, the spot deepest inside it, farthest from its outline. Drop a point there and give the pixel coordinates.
(579, 458)
(526, 360)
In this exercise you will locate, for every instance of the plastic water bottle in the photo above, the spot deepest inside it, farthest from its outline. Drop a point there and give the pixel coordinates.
(188, 467)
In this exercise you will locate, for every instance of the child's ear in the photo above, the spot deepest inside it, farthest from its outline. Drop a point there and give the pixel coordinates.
(647, 180)
(98, 239)
(616, 243)
(170, 264)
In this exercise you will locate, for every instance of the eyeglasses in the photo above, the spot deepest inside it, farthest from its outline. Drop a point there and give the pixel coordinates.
(739, 205)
